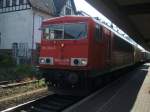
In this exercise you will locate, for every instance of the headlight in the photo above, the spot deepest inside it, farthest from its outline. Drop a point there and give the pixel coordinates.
(42, 61)
(79, 61)
(49, 61)
(46, 60)
(76, 61)
(84, 62)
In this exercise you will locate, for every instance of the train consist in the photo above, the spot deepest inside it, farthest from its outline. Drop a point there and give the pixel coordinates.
(76, 52)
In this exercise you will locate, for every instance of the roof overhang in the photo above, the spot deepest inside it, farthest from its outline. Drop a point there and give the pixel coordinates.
(132, 16)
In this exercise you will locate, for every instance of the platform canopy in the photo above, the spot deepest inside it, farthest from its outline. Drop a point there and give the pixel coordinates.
(132, 16)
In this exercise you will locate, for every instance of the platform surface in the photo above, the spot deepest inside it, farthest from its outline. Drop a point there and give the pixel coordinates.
(129, 94)
(142, 103)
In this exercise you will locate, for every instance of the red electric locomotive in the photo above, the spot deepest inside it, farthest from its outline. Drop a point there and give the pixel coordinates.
(76, 52)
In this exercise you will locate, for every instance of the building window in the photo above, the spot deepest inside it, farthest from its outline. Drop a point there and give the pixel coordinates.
(68, 11)
(15, 45)
(21, 2)
(14, 2)
(69, 3)
(15, 49)
(0, 39)
(25, 1)
(1, 3)
(7, 3)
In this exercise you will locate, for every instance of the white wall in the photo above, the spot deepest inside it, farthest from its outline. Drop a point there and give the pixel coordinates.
(38, 18)
(37, 32)
(16, 27)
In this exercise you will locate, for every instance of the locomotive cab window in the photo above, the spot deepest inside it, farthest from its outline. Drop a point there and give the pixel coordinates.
(46, 33)
(66, 31)
(97, 33)
(56, 34)
(75, 31)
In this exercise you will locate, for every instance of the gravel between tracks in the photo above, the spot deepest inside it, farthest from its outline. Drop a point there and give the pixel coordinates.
(22, 98)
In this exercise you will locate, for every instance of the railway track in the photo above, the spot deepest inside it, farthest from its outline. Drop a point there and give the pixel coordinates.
(51, 103)
(4, 82)
(54, 103)
(9, 92)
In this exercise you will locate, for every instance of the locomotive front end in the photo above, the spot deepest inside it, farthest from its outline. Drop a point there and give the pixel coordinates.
(64, 53)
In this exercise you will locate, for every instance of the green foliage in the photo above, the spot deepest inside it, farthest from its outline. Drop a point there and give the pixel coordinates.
(10, 71)
(6, 74)
(6, 61)
(26, 71)
(22, 71)
(19, 72)
(41, 82)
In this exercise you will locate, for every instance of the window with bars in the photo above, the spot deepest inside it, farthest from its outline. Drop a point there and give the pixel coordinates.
(15, 49)
(7, 3)
(12, 5)
(69, 3)
(21, 2)
(0, 39)
(14, 2)
(1, 3)
(68, 8)
(68, 11)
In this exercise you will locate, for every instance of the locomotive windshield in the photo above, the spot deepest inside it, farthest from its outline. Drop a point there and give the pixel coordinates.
(66, 31)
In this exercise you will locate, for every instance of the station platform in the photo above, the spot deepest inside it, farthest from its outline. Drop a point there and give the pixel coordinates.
(130, 93)
(142, 103)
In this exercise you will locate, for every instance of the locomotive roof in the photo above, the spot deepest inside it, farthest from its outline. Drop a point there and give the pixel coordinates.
(112, 30)
(65, 19)
(68, 17)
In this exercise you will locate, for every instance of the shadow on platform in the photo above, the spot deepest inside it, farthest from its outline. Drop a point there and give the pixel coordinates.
(127, 96)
